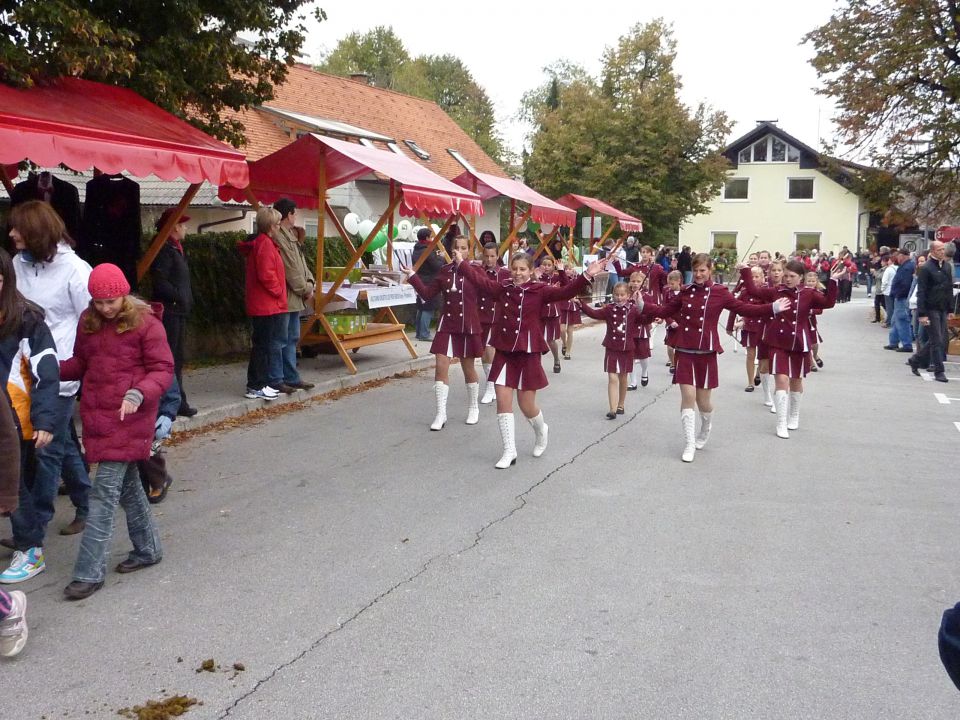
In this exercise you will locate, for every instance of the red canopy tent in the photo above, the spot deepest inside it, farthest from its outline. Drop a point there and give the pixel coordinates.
(627, 222)
(541, 209)
(87, 125)
(305, 169)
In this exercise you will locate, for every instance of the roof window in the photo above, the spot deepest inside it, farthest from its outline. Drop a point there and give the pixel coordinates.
(417, 150)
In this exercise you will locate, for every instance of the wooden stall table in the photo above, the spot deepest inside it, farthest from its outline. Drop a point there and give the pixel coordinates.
(304, 171)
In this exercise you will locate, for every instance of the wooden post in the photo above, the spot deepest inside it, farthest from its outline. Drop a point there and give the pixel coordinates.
(544, 241)
(147, 260)
(393, 191)
(473, 226)
(321, 231)
(344, 235)
(433, 243)
(606, 235)
(513, 232)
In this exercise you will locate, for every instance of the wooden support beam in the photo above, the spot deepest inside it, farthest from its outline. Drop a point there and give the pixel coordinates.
(393, 190)
(433, 243)
(544, 241)
(148, 257)
(606, 236)
(513, 233)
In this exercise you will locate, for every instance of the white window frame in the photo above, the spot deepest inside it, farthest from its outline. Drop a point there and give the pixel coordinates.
(811, 199)
(736, 238)
(769, 144)
(808, 232)
(723, 192)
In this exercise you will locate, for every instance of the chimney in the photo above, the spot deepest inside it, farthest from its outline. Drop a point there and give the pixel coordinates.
(361, 77)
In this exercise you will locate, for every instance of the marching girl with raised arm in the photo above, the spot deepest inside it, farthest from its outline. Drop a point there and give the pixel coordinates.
(674, 285)
(788, 336)
(696, 309)
(653, 274)
(487, 310)
(751, 329)
(618, 343)
(550, 274)
(458, 333)
(812, 280)
(641, 340)
(518, 338)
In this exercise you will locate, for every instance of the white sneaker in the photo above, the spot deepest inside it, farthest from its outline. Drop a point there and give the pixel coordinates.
(264, 393)
(24, 566)
(13, 628)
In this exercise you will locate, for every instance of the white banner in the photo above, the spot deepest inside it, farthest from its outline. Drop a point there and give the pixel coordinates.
(388, 296)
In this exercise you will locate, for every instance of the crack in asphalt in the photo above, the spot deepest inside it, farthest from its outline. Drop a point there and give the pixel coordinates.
(478, 537)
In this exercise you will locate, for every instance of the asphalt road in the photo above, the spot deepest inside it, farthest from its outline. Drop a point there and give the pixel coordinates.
(360, 566)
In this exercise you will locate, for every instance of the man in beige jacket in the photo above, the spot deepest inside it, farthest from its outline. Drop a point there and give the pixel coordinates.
(300, 289)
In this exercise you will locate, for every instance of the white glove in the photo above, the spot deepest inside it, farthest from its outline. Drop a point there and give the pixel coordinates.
(781, 305)
(163, 427)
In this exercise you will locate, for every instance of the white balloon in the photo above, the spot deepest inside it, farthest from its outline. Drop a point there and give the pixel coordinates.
(351, 223)
(546, 228)
(365, 227)
(435, 228)
(522, 228)
(404, 228)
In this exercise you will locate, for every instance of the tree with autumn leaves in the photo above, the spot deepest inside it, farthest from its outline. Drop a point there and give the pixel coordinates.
(626, 137)
(893, 69)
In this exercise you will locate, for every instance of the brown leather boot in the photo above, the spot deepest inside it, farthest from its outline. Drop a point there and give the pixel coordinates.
(75, 527)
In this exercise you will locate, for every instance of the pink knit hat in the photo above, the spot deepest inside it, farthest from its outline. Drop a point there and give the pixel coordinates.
(107, 282)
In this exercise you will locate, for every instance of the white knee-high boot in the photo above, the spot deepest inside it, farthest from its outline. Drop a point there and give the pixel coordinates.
(688, 421)
(505, 423)
(473, 406)
(540, 429)
(706, 419)
(793, 422)
(644, 364)
(441, 390)
(489, 390)
(767, 391)
(632, 380)
(780, 401)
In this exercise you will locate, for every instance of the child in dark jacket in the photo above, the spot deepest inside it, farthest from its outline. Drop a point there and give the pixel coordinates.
(13, 606)
(122, 357)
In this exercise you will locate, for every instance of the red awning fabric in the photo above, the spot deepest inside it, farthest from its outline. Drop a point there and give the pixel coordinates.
(542, 209)
(293, 172)
(627, 222)
(85, 125)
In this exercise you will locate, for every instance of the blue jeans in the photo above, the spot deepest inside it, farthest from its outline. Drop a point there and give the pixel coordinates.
(900, 324)
(289, 353)
(266, 350)
(869, 283)
(61, 458)
(687, 277)
(116, 482)
(888, 308)
(424, 318)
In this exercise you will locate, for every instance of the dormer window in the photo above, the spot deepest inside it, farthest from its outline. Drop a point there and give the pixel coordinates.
(393, 147)
(769, 149)
(417, 150)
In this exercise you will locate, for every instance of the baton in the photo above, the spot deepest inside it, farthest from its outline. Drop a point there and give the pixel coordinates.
(749, 247)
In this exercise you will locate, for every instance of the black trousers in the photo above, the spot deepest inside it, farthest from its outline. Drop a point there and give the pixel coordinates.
(176, 327)
(934, 347)
(879, 301)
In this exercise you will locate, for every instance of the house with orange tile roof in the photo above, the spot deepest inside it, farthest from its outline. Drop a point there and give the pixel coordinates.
(343, 108)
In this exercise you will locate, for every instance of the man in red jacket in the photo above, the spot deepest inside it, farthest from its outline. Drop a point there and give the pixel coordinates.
(266, 302)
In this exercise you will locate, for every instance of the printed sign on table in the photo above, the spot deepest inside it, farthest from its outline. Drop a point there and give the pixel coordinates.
(390, 296)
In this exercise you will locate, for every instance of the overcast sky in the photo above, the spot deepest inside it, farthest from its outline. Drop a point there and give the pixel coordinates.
(744, 58)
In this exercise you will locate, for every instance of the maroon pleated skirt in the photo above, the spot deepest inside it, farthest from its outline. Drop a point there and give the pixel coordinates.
(570, 317)
(763, 351)
(641, 350)
(697, 369)
(518, 370)
(792, 364)
(485, 329)
(551, 329)
(618, 361)
(457, 345)
(750, 338)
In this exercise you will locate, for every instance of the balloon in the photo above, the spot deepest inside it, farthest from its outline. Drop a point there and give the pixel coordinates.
(379, 240)
(404, 228)
(435, 228)
(351, 223)
(546, 228)
(365, 227)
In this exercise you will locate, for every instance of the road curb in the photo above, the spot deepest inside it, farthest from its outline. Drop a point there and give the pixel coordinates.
(244, 406)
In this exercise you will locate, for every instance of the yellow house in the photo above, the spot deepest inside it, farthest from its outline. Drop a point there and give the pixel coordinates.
(778, 198)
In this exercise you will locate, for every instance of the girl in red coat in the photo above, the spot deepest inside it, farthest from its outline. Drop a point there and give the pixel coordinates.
(122, 357)
(674, 285)
(458, 333)
(774, 276)
(487, 310)
(548, 273)
(697, 309)
(751, 329)
(641, 347)
(788, 337)
(812, 280)
(569, 319)
(518, 338)
(653, 276)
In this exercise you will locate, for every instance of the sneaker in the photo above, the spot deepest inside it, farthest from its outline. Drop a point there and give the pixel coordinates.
(23, 566)
(282, 388)
(13, 628)
(264, 393)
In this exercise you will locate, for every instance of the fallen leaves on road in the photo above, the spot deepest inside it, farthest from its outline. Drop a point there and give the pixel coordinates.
(160, 709)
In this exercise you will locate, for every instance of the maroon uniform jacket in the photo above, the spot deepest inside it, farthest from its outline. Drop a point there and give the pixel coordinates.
(790, 330)
(459, 313)
(487, 303)
(624, 324)
(750, 324)
(557, 278)
(696, 309)
(518, 327)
